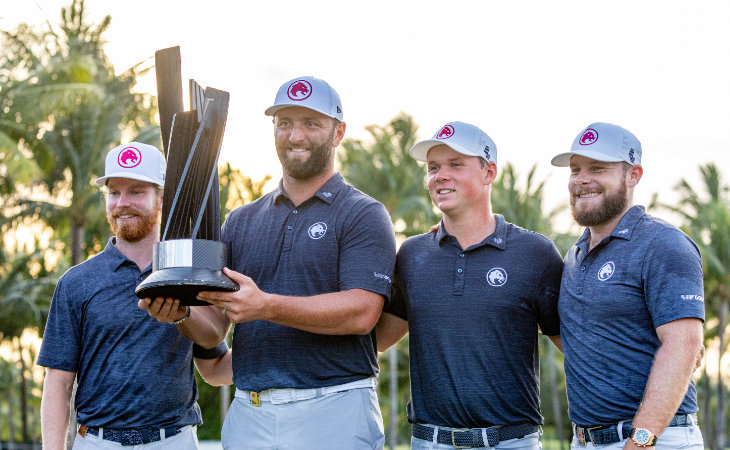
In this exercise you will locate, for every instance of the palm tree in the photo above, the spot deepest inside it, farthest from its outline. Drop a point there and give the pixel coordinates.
(26, 287)
(63, 107)
(384, 170)
(707, 219)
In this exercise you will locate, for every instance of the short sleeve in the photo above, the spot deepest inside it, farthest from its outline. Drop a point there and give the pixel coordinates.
(61, 346)
(367, 251)
(673, 279)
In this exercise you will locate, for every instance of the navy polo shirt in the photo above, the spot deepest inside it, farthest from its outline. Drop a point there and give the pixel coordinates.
(339, 239)
(132, 371)
(473, 318)
(645, 274)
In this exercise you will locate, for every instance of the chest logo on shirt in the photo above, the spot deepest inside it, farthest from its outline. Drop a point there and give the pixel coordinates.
(497, 277)
(317, 230)
(606, 271)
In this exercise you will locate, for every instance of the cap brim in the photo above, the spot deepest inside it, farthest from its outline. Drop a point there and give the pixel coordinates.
(101, 181)
(563, 159)
(419, 151)
(272, 110)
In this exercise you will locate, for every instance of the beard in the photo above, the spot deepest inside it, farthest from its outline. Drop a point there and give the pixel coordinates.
(612, 205)
(134, 232)
(319, 159)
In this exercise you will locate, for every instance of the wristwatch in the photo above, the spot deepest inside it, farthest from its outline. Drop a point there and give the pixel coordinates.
(643, 437)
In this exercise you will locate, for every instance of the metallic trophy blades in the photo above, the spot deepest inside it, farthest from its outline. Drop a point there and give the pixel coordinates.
(169, 90)
(189, 257)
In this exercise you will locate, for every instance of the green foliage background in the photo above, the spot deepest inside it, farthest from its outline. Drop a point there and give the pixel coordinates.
(63, 106)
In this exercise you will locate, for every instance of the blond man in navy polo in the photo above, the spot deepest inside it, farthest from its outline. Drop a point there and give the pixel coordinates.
(136, 385)
(314, 259)
(631, 306)
(472, 294)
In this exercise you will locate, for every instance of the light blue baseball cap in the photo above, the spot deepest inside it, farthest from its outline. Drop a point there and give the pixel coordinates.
(308, 92)
(603, 142)
(462, 137)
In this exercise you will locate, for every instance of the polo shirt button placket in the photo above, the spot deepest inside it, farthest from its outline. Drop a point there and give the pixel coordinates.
(459, 281)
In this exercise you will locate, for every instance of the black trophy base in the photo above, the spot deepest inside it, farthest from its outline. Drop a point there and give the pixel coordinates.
(184, 283)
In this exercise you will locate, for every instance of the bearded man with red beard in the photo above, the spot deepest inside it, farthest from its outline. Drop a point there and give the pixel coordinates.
(631, 306)
(135, 377)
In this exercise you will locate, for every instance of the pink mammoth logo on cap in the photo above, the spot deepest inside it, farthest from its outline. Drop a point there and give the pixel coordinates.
(129, 157)
(588, 137)
(446, 132)
(299, 90)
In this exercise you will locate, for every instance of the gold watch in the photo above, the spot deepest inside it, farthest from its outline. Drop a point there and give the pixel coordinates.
(643, 437)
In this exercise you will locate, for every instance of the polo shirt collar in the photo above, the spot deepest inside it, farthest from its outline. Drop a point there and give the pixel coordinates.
(497, 239)
(623, 230)
(114, 257)
(626, 225)
(326, 193)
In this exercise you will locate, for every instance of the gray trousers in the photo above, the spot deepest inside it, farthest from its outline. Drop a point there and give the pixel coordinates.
(339, 420)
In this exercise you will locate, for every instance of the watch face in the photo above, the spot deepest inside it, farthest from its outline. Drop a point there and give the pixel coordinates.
(641, 436)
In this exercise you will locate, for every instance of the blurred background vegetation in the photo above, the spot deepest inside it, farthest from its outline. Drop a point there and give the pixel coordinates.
(63, 106)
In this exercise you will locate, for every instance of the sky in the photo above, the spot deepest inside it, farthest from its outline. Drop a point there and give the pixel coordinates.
(531, 73)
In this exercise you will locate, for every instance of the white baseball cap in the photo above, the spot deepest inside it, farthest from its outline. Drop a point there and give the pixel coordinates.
(308, 92)
(603, 142)
(463, 138)
(136, 161)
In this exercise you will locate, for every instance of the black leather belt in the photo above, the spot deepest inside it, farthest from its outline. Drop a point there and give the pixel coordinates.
(608, 434)
(130, 436)
(474, 437)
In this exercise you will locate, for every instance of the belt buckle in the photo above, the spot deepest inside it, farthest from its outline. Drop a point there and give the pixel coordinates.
(590, 435)
(255, 398)
(453, 442)
(581, 432)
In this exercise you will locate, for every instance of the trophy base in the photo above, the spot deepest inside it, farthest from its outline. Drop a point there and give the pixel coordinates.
(184, 283)
(182, 268)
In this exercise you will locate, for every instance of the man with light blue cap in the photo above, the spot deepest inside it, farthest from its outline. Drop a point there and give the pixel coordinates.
(631, 306)
(314, 259)
(472, 294)
(136, 385)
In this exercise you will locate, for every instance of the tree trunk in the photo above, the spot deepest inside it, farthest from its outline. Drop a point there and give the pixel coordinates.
(11, 416)
(554, 394)
(77, 239)
(393, 425)
(720, 411)
(706, 410)
(225, 396)
(23, 394)
(71, 437)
